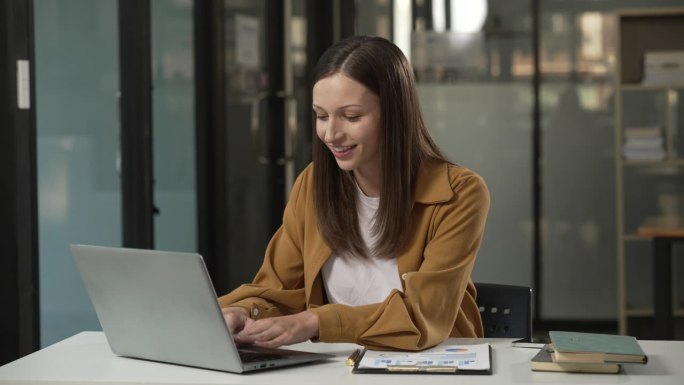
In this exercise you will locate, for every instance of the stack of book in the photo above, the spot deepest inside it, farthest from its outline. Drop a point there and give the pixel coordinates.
(588, 353)
(643, 143)
(663, 68)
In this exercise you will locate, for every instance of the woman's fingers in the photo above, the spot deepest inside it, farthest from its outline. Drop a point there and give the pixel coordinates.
(261, 330)
(277, 331)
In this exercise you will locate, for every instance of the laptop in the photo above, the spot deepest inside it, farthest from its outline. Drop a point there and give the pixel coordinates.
(161, 306)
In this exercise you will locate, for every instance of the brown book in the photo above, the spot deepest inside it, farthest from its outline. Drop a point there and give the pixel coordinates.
(543, 362)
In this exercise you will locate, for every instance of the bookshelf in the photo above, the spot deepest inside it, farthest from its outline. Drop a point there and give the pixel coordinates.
(649, 142)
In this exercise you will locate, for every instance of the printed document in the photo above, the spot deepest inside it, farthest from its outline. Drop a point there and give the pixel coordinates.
(463, 357)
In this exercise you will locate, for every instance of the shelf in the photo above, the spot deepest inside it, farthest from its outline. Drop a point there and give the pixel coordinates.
(634, 237)
(649, 87)
(649, 12)
(654, 163)
(638, 32)
(648, 312)
(663, 227)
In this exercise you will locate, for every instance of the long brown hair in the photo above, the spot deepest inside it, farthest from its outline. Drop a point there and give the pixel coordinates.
(405, 144)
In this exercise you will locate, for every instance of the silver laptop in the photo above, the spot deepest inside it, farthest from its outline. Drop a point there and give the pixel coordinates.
(162, 306)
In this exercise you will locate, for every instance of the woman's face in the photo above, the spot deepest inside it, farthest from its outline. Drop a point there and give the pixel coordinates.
(348, 122)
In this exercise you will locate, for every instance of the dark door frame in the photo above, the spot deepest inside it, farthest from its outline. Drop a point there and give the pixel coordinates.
(135, 74)
(275, 126)
(19, 326)
(210, 138)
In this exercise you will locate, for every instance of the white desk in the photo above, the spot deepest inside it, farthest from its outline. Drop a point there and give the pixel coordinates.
(86, 359)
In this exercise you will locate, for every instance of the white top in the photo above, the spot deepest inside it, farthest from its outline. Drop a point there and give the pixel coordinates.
(86, 359)
(354, 280)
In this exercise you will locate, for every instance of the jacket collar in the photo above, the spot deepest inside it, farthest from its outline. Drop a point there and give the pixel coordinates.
(433, 184)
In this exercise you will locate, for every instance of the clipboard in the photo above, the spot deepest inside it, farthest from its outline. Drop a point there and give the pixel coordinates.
(420, 369)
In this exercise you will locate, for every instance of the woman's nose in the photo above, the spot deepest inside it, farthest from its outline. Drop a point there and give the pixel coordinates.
(332, 132)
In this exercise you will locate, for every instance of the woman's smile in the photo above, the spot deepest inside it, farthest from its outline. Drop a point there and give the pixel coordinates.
(342, 152)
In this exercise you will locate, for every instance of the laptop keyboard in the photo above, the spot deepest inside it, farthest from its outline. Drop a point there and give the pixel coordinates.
(249, 356)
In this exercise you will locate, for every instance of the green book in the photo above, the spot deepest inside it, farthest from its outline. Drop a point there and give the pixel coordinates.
(595, 348)
(543, 362)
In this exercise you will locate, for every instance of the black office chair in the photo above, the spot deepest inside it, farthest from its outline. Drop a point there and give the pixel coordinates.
(506, 310)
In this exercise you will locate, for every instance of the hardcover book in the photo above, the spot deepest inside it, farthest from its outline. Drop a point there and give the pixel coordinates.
(543, 362)
(595, 348)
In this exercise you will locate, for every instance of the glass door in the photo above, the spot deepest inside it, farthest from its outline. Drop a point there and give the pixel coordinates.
(79, 190)
(79, 148)
(173, 125)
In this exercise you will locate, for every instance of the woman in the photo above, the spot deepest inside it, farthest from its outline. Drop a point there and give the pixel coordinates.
(380, 234)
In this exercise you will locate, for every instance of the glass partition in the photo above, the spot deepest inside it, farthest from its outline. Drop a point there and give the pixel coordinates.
(579, 244)
(475, 86)
(173, 119)
(79, 192)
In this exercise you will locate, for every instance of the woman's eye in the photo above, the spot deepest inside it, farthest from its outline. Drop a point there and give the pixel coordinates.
(354, 118)
(322, 117)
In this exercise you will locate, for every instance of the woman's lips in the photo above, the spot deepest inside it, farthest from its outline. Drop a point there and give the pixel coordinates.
(341, 152)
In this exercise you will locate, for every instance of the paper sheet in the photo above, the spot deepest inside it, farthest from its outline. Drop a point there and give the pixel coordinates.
(464, 357)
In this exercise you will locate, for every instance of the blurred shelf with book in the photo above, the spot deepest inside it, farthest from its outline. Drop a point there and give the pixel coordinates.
(649, 149)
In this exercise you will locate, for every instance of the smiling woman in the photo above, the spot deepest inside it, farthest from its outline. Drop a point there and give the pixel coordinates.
(381, 232)
(348, 122)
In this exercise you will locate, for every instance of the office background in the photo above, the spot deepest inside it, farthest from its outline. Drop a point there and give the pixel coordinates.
(180, 125)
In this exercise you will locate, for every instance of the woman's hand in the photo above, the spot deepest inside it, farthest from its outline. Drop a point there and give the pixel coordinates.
(237, 318)
(277, 331)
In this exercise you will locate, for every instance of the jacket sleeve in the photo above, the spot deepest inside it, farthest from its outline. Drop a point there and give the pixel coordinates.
(278, 287)
(425, 314)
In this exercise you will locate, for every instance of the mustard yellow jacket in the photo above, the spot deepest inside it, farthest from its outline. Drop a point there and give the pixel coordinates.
(438, 298)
